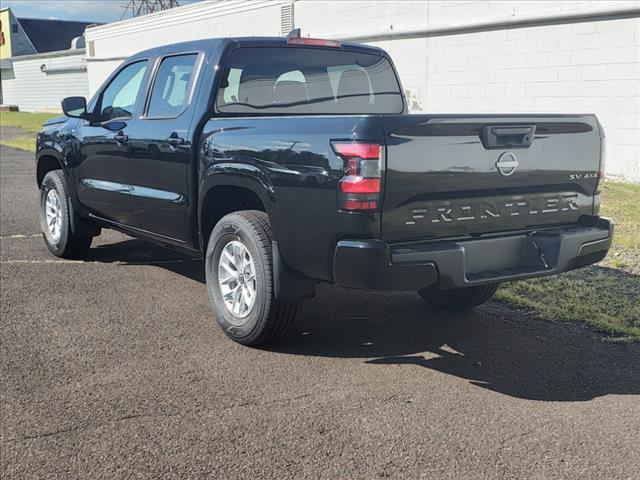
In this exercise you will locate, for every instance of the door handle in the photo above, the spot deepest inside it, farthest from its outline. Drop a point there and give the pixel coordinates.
(174, 139)
(120, 137)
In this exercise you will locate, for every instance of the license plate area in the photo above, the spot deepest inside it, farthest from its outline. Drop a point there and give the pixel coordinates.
(495, 254)
(519, 252)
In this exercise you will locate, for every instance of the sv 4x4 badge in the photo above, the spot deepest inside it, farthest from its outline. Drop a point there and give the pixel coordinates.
(583, 176)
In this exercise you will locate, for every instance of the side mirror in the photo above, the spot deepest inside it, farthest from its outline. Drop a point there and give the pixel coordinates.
(75, 107)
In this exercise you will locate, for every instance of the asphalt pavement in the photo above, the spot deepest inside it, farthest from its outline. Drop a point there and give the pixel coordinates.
(113, 367)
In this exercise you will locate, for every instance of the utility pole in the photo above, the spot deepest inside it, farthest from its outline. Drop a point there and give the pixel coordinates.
(144, 7)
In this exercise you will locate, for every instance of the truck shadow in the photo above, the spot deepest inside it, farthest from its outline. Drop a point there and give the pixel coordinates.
(138, 252)
(494, 347)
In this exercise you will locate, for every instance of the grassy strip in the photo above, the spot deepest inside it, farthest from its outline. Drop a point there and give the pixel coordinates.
(606, 296)
(22, 142)
(28, 123)
(621, 201)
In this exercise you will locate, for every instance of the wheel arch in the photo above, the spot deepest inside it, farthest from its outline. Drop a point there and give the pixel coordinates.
(48, 160)
(221, 194)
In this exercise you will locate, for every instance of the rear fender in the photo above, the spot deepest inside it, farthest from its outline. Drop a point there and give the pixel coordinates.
(289, 285)
(243, 176)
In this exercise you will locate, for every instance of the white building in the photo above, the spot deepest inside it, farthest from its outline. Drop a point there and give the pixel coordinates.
(452, 56)
(41, 61)
(37, 83)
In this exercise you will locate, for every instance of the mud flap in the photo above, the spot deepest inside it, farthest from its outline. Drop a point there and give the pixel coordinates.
(80, 227)
(289, 285)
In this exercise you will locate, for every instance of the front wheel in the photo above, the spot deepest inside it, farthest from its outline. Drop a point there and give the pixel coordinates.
(239, 274)
(55, 218)
(458, 299)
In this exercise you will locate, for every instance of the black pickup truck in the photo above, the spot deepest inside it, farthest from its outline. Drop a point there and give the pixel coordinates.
(290, 161)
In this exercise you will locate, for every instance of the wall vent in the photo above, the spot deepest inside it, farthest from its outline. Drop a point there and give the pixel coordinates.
(286, 19)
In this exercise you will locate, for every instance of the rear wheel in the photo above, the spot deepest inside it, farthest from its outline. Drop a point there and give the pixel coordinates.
(239, 273)
(55, 218)
(458, 299)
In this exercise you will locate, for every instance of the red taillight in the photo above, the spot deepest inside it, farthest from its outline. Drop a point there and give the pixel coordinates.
(314, 42)
(360, 187)
(359, 205)
(360, 150)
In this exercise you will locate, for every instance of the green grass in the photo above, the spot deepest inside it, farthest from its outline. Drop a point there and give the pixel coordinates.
(29, 123)
(606, 296)
(621, 201)
(23, 142)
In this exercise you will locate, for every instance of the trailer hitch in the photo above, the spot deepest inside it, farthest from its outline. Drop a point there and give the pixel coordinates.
(539, 250)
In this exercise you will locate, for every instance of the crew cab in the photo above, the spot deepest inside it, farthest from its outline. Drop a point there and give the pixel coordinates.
(284, 162)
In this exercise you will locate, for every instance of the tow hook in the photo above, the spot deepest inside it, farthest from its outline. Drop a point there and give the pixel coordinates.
(539, 250)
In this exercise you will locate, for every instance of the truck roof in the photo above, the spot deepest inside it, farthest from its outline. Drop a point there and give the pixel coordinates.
(209, 44)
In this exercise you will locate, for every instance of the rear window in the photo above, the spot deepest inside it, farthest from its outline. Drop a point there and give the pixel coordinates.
(307, 80)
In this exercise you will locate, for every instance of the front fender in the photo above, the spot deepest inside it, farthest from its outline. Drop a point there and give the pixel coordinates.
(54, 141)
(48, 159)
(52, 153)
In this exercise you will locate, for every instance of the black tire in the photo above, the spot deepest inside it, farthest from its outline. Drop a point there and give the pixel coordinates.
(66, 245)
(458, 299)
(269, 319)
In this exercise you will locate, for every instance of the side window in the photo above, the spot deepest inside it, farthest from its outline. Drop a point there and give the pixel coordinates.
(230, 92)
(290, 89)
(119, 98)
(292, 76)
(170, 91)
(341, 74)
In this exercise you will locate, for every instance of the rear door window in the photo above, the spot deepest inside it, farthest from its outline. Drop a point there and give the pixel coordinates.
(303, 80)
(171, 87)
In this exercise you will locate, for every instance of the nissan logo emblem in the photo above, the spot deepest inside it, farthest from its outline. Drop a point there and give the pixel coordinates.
(507, 164)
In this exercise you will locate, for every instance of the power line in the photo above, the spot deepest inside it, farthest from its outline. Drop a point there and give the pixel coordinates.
(144, 7)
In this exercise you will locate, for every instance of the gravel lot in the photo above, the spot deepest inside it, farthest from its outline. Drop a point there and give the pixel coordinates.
(113, 368)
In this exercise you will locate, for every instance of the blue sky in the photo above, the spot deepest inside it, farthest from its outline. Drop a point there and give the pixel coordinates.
(100, 11)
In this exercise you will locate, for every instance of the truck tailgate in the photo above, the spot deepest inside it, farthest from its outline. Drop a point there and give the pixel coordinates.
(459, 175)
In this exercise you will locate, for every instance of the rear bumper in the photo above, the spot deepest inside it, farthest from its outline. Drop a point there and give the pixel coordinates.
(377, 265)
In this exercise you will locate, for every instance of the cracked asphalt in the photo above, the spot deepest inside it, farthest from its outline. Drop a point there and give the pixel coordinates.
(113, 368)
